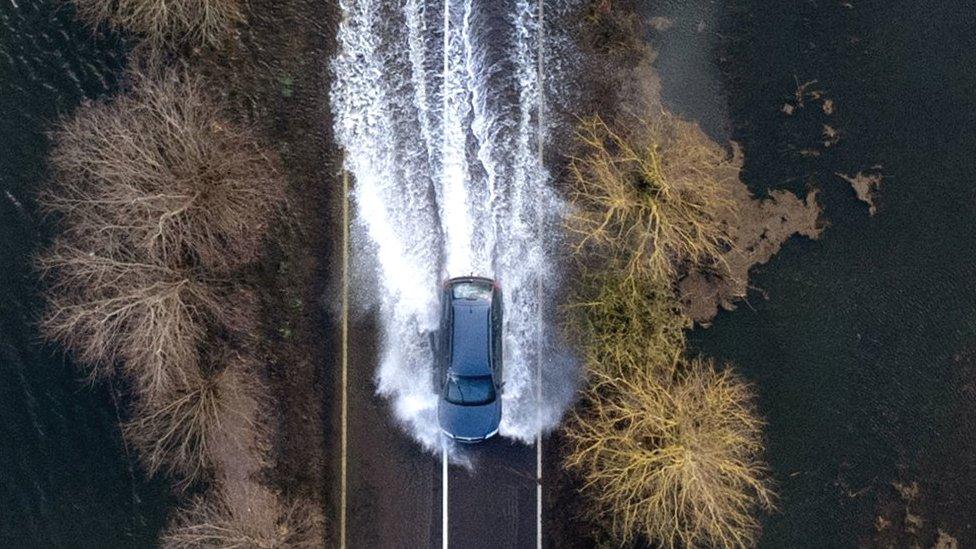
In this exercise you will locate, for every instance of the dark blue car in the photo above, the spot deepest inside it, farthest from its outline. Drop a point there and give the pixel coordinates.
(469, 355)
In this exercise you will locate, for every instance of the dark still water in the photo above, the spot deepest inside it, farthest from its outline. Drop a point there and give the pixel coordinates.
(862, 344)
(65, 477)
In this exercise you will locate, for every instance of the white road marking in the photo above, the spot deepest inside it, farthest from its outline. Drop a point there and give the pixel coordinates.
(538, 491)
(345, 356)
(444, 498)
(538, 377)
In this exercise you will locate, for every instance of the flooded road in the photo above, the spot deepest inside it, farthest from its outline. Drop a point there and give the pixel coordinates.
(438, 106)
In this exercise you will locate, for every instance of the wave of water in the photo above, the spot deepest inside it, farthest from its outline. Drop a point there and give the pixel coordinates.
(437, 105)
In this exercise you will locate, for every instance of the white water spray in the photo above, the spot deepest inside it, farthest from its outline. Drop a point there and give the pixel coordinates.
(437, 104)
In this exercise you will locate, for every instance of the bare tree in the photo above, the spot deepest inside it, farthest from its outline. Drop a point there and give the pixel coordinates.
(161, 202)
(167, 22)
(162, 174)
(158, 199)
(624, 324)
(264, 521)
(653, 198)
(119, 310)
(203, 424)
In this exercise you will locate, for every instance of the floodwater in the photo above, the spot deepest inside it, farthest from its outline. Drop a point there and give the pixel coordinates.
(437, 107)
(861, 344)
(66, 479)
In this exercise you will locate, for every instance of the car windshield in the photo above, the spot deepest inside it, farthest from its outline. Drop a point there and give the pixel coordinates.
(469, 390)
(474, 291)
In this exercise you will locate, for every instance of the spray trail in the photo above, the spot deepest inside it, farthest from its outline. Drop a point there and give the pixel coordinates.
(437, 104)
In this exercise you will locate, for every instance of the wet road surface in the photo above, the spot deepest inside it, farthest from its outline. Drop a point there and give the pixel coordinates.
(395, 488)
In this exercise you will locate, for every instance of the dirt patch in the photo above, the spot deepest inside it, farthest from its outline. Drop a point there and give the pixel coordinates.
(275, 75)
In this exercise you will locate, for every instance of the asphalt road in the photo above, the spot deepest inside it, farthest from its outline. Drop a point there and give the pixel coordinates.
(494, 503)
(395, 490)
(393, 494)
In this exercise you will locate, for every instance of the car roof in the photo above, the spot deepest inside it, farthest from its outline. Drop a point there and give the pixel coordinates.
(470, 339)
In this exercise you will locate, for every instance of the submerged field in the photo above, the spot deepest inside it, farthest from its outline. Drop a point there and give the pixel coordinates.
(860, 343)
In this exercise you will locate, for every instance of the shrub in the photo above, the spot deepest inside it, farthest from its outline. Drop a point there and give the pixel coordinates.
(261, 520)
(111, 310)
(158, 199)
(201, 423)
(167, 22)
(160, 174)
(610, 30)
(161, 203)
(649, 198)
(676, 461)
(625, 325)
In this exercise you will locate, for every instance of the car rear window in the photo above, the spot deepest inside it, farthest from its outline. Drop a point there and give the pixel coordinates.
(474, 291)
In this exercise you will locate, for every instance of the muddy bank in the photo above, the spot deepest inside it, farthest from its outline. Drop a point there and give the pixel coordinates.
(275, 75)
(760, 229)
(759, 224)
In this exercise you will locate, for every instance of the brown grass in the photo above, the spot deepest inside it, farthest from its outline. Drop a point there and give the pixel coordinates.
(676, 462)
(646, 199)
(167, 22)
